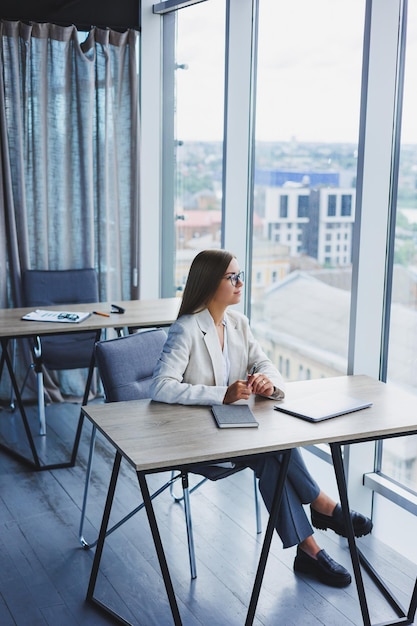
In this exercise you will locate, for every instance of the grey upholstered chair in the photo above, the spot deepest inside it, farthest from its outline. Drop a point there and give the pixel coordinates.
(65, 351)
(126, 367)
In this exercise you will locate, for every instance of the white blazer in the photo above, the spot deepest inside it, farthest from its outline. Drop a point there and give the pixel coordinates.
(190, 367)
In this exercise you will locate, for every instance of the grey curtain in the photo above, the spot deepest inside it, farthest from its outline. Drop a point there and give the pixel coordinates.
(69, 144)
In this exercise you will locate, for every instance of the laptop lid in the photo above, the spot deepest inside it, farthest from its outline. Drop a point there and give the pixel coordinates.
(322, 406)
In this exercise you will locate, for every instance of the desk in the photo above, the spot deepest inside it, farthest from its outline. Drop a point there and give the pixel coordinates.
(153, 436)
(138, 314)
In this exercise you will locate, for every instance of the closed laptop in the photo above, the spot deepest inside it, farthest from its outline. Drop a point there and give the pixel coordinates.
(322, 406)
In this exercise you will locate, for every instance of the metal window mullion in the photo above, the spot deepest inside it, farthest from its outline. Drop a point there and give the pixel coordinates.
(379, 111)
(168, 244)
(150, 151)
(396, 143)
(374, 188)
(238, 145)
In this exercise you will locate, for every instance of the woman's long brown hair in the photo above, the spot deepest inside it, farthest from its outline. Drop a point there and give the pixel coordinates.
(206, 272)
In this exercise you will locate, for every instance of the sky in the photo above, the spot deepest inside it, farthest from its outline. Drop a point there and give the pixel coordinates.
(309, 71)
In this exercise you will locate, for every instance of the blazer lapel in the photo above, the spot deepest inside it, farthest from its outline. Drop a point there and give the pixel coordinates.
(206, 324)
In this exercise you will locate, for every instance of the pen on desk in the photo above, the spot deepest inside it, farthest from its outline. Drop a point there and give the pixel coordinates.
(253, 370)
(100, 313)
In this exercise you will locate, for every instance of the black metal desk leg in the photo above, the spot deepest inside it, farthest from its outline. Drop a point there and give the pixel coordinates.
(84, 402)
(100, 545)
(159, 548)
(341, 485)
(276, 503)
(5, 358)
(413, 605)
(357, 557)
(36, 464)
(103, 527)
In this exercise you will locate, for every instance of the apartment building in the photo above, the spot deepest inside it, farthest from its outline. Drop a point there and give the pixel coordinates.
(313, 220)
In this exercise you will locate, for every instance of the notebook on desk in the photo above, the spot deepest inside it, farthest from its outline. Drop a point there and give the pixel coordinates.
(234, 416)
(322, 406)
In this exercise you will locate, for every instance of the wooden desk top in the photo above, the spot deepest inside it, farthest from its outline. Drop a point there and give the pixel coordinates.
(138, 313)
(153, 435)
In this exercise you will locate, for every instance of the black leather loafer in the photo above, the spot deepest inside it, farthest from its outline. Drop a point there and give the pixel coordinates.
(361, 525)
(324, 568)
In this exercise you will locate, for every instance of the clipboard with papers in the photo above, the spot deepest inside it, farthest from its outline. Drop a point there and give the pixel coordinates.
(68, 317)
(322, 406)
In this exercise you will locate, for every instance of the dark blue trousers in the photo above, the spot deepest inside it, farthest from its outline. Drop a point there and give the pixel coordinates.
(300, 488)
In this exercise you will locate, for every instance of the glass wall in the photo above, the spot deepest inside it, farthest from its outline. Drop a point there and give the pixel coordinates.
(307, 128)
(399, 459)
(308, 80)
(199, 104)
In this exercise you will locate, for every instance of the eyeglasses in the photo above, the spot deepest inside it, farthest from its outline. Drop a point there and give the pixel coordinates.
(235, 278)
(71, 317)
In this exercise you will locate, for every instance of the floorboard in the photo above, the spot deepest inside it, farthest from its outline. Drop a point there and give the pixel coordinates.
(44, 571)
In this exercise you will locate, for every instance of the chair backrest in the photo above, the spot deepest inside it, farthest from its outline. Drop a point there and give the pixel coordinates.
(49, 287)
(74, 286)
(126, 364)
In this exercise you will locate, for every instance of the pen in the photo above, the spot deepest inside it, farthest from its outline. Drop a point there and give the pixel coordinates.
(100, 313)
(253, 370)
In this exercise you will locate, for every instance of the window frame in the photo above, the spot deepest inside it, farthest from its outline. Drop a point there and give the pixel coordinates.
(384, 52)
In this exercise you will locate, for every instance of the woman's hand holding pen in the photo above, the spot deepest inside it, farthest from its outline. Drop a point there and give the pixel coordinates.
(261, 384)
(242, 389)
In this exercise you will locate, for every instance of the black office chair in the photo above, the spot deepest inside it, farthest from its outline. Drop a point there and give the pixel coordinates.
(126, 367)
(65, 351)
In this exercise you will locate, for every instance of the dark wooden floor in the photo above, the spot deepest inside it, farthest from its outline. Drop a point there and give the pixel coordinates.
(44, 572)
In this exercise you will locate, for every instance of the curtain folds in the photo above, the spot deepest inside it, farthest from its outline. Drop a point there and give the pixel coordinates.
(69, 146)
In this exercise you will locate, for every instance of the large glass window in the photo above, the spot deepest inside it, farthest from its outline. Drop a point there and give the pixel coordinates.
(399, 459)
(307, 127)
(199, 95)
